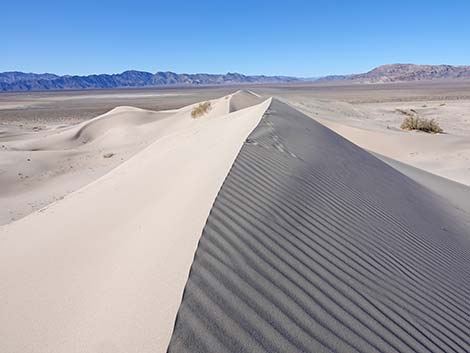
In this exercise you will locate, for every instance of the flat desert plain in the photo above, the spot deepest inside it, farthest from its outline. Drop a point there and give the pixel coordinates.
(296, 218)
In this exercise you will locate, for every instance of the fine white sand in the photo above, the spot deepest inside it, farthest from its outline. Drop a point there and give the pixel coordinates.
(103, 269)
(41, 167)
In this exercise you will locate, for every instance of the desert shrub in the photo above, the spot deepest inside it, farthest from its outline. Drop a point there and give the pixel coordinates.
(421, 124)
(201, 109)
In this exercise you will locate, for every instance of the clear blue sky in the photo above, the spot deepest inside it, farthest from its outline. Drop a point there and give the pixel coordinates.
(292, 37)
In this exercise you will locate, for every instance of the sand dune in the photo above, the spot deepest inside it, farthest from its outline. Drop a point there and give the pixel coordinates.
(376, 127)
(244, 99)
(314, 245)
(106, 129)
(42, 167)
(252, 228)
(456, 193)
(103, 269)
(444, 155)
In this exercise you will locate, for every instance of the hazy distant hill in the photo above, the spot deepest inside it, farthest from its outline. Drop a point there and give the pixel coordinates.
(19, 81)
(407, 72)
(15, 76)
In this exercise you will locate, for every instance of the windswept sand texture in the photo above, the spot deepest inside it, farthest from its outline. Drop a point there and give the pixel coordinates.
(103, 270)
(457, 194)
(314, 245)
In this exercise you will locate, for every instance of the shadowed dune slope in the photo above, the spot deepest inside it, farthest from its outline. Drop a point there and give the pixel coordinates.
(456, 193)
(243, 99)
(314, 245)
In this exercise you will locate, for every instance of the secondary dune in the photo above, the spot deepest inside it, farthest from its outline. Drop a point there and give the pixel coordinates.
(103, 269)
(41, 167)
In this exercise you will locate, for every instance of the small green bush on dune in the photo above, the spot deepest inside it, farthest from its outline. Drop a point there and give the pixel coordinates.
(200, 110)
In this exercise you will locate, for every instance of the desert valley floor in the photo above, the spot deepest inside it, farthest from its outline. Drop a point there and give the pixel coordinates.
(296, 218)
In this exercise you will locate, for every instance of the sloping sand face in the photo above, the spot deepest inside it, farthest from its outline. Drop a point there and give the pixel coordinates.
(376, 126)
(243, 99)
(103, 270)
(314, 245)
(457, 194)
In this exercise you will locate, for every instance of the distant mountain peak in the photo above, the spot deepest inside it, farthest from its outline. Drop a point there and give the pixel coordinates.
(406, 72)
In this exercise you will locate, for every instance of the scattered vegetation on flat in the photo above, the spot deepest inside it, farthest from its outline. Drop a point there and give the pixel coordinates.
(414, 122)
(201, 109)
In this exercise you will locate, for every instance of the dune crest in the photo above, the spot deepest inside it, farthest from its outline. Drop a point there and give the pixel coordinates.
(104, 268)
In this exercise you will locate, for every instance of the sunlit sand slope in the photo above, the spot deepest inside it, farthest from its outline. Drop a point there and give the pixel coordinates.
(103, 269)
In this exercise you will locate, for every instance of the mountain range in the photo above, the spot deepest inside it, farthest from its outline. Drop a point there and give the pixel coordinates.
(20, 81)
(404, 73)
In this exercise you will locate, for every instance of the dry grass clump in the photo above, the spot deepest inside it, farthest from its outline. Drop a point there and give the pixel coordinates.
(421, 124)
(413, 121)
(201, 109)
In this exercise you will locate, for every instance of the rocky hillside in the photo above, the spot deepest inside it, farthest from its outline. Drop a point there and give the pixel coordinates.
(19, 81)
(406, 72)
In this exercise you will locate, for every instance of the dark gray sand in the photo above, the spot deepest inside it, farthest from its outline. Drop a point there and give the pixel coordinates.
(314, 245)
(457, 194)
